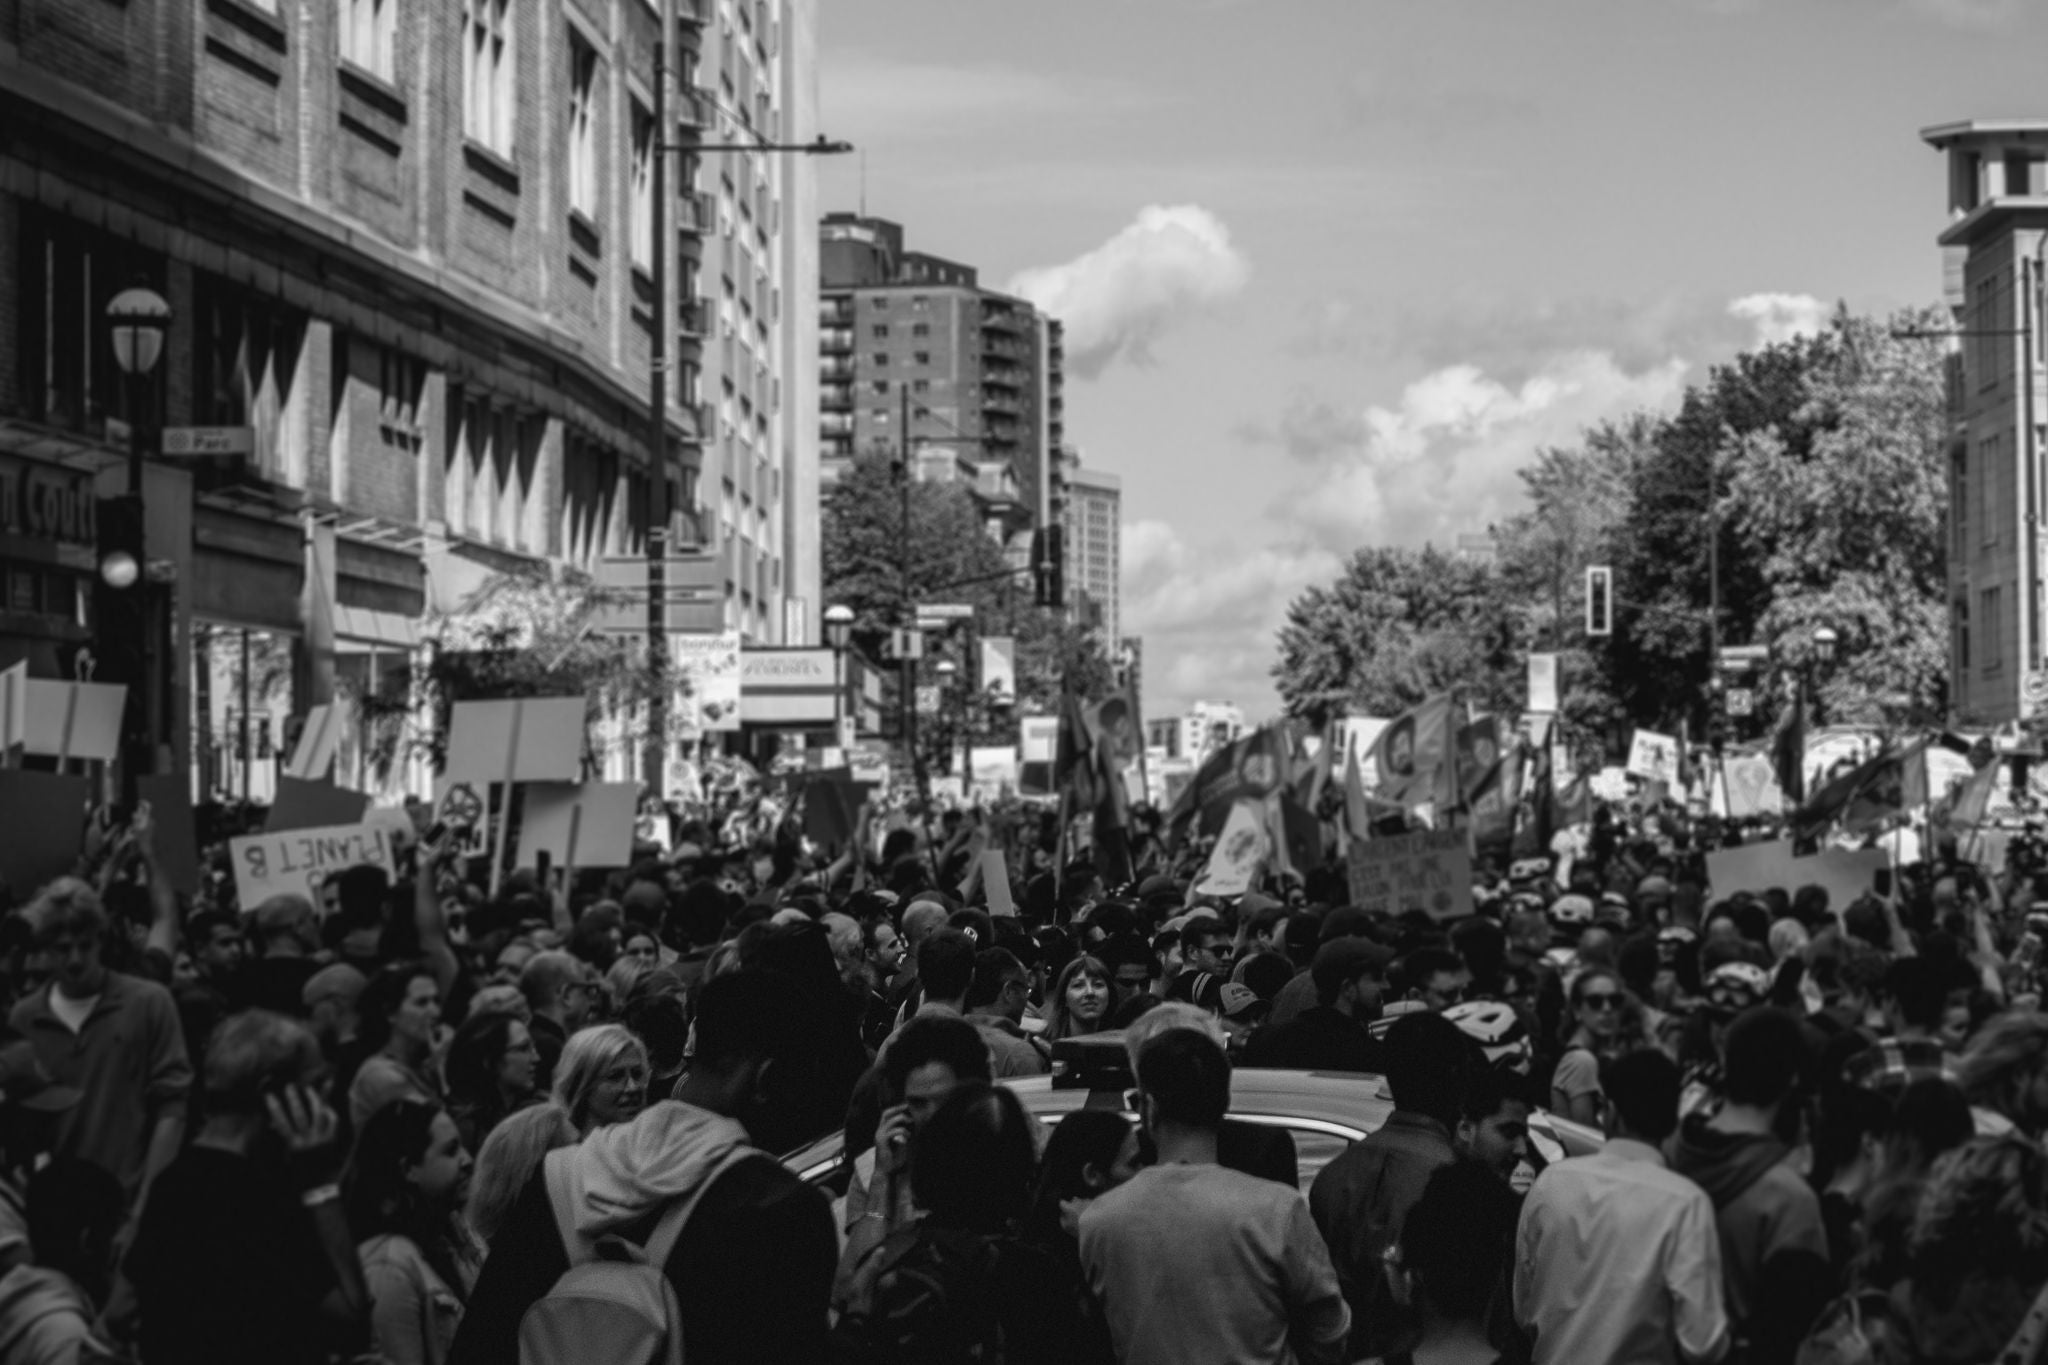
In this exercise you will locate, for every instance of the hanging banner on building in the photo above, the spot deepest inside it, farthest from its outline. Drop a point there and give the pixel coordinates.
(1543, 684)
(1430, 871)
(712, 665)
(1654, 757)
(298, 862)
(999, 668)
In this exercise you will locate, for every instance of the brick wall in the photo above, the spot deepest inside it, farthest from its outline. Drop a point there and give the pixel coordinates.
(248, 88)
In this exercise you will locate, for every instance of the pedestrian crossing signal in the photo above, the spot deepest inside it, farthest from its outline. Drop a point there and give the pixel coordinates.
(1599, 600)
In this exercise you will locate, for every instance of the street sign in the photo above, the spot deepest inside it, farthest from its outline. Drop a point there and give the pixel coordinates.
(1742, 658)
(906, 644)
(938, 613)
(1741, 701)
(206, 441)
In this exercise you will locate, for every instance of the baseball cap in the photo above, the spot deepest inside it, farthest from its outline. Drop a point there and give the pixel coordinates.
(1346, 921)
(1231, 999)
(26, 1084)
(1342, 959)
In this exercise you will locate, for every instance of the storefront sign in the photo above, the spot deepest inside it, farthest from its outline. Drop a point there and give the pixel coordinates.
(56, 505)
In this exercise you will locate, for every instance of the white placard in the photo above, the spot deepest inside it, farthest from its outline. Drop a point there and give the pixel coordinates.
(72, 720)
(298, 861)
(590, 825)
(1654, 757)
(1543, 684)
(531, 739)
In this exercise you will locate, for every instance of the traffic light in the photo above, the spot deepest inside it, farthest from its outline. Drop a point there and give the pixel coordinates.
(1049, 565)
(119, 594)
(1599, 600)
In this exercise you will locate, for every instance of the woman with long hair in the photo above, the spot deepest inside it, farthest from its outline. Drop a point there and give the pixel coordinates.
(400, 1011)
(602, 1077)
(1090, 1153)
(1078, 1003)
(404, 1191)
(492, 1064)
(1601, 1024)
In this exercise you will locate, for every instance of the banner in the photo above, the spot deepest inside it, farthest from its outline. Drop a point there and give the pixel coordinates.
(1654, 757)
(711, 663)
(1846, 873)
(999, 668)
(1752, 784)
(1242, 846)
(1429, 871)
(72, 721)
(1543, 684)
(298, 862)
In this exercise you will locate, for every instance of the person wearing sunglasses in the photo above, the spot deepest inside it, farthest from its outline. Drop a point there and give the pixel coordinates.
(1596, 1030)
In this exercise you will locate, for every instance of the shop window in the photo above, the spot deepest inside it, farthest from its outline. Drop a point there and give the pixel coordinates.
(69, 273)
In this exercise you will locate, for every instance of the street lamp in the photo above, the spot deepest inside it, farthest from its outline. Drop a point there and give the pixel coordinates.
(1824, 642)
(946, 668)
(137, 319)
(838, 633)
(654, 756)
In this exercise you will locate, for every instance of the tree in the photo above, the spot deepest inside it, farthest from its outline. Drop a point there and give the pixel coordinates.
(1849, 533)
(1396, 627)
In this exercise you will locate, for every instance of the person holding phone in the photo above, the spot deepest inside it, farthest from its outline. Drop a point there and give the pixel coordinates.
(244, 1255)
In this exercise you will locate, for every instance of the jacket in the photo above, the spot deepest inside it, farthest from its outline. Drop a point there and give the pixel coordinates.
(1774, 1245)
(1011, 1051)
(45, 1320)
(1360, 1202)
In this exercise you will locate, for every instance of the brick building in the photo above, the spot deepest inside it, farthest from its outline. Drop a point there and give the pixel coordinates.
(408, 246)
(980, 374)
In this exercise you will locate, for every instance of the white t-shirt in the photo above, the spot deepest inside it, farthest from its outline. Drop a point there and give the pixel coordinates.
(72, 1014)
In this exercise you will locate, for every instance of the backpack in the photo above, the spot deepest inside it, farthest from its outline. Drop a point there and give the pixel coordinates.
(615, 1302)
(930, 1301)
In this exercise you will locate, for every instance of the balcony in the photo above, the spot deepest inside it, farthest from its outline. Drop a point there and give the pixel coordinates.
(835, 398)
(836, 367)
(836, 341)
(694, 109)
(695, 317)
(1003, 376)
(696, 212)
(837, 312)
(999, 408)
(1004, 348)
(1001, 316)
(837, 425)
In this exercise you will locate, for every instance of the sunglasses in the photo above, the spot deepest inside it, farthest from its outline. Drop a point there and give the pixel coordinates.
(1603, 1000)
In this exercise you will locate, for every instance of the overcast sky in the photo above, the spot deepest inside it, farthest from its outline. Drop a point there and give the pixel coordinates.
(1332, 269)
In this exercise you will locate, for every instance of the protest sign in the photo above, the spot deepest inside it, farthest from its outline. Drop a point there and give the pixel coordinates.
(176, 833)
(313, 805)
(1846, 873)
(586, 825)
(1543, 684)
(319, 740)
(530, 739)
(1752, 787)
(297, 862)
(44, 815)
(995, 883)
(72, 720)
(1430, 870)
(1654, 757)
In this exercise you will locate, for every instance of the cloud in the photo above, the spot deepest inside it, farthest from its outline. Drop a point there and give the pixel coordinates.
(1443, 458)
(1782, 317)
(1970, 13)
(1117, 300)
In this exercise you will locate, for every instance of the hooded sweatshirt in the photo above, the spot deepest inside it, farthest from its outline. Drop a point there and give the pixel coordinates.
(752, 1268)
(1774, 1246)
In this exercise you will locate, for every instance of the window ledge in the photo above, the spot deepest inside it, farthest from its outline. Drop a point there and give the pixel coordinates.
(585, 234)
(257, 22)
(493, 166)
(372, 89)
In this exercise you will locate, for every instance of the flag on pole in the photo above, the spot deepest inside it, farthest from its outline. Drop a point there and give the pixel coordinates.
(1412, 760)
(1875, 791)
(1788, 749)
(1973, 798)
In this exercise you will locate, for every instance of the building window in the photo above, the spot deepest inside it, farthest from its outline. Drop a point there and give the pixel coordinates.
(369, 36)
(1988, 603)
(583, 179)
(921, 329)
(881, 359)
(880, 330)
(69, 273)
(401, 382)
(487, 73)
(1961, 611)
(920, 385)
(642, 227)
(923, 357)
(1987, 503)
(878, 386)
(1959, 505)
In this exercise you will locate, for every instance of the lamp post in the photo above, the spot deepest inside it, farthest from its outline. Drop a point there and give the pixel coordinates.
(1824, 642)
(137, 319)
(946, 669)
(838, 633)
(654, 755)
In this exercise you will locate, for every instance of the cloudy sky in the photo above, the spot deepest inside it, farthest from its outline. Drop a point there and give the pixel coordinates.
(1332, 269)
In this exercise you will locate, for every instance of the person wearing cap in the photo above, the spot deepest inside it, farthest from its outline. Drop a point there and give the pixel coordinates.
(115, 1038)
(1350, 978)
(1237, 1007)
(1303, 937)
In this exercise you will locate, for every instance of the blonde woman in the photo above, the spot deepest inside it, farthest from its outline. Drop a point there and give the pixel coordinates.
(602, 1078)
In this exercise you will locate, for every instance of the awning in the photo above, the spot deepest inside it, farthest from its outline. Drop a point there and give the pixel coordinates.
(360, 625)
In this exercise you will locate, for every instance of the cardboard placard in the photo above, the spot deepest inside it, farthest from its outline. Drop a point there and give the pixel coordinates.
(175, 833)
(72, 720)
(995, 883)
(13, 705)
(1847, 873)
(530, 739)
(462, 806)
(318, 742)
(297, 862)
(313, 805)
(1654, 757)
(44, 815)
(587, 825)
(1430, 870)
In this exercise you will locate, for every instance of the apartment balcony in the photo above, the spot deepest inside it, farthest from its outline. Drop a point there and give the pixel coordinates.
(835, 398)
(696, 212)
(836, 426)
(1004, 317)
(696, 317)
(1003, 348)
(996, 407)
(836, 367)
(835, 312)
(695, 109)
(836, 341)
(1003, 377)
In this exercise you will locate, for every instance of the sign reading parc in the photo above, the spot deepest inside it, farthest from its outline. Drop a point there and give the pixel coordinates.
(298, 861)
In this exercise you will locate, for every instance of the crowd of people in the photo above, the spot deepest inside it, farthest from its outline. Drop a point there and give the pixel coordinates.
(430, 1123)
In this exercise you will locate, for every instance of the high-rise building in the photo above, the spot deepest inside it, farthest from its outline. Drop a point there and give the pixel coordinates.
(977, 373)
(1204, 727)
(1094, 549)
(1993, 255)
(408, 251)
